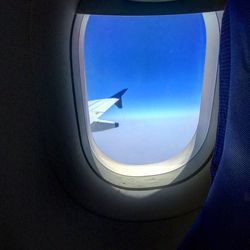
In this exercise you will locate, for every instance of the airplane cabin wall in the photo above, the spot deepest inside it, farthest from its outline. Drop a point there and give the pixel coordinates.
(36, 212)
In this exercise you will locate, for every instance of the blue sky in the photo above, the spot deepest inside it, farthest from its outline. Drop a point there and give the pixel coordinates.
(160, 59)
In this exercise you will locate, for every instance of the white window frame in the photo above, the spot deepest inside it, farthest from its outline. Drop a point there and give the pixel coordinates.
(177, 169)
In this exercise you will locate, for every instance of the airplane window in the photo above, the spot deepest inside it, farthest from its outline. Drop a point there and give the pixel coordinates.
(146, 95)
(144, 77)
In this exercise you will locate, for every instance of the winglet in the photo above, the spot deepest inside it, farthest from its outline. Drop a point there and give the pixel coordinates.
(119, 96)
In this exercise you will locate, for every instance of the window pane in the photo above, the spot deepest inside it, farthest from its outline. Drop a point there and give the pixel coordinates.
(160, 61)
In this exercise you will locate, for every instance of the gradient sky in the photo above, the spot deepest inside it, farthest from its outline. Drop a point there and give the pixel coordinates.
(160, 59)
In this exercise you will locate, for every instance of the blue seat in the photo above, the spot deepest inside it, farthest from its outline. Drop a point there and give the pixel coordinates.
(224, 221)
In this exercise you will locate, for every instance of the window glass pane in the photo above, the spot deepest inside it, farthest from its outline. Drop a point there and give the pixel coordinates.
(160, 61)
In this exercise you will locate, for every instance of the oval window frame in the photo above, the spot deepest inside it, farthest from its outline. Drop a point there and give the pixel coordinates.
(176, 169)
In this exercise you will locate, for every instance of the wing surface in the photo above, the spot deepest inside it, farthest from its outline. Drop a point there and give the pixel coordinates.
(98, 107)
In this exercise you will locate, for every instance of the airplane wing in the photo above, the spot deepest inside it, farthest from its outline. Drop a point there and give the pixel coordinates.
(98, 107)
